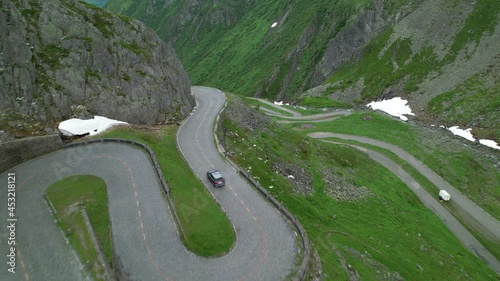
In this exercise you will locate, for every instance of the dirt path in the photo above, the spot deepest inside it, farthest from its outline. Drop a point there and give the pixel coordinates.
(293, 112)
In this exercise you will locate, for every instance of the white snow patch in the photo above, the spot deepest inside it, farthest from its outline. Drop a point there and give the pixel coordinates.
(92, 126)
(463, 133)
(467, 135)
(489, 143)
(396, 107)
(280, 103)
(274, 24)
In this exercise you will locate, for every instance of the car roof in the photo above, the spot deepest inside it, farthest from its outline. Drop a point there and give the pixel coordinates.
(215, 173)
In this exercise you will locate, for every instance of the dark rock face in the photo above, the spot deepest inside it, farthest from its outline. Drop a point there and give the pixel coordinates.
(57, 56)
(343, 47)
(349, 43)
(246, 117)
(195, 14)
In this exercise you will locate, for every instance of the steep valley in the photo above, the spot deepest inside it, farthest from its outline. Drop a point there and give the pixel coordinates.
(440, 55)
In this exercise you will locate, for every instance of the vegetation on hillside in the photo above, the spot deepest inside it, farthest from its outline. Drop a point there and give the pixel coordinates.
(382, 231)
(240, 55)
(390, 67)
(474, 174)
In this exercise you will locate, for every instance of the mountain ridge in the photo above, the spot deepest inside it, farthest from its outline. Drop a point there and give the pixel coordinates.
(356, 52)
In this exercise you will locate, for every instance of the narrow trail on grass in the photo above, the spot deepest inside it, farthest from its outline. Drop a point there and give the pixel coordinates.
(486, 221)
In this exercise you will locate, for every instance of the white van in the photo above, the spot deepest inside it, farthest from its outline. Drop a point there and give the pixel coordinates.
(443, 195)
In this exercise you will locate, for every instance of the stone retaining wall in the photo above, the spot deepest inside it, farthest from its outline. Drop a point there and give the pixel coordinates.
(13, 153)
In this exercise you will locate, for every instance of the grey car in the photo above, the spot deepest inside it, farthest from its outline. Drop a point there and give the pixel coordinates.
(216, 178)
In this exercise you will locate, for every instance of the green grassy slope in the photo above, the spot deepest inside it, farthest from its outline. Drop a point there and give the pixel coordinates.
(386, 235)
(457, 165)
(69, 197)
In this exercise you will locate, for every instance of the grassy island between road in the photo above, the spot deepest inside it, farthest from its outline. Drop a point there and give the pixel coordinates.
(72, 196)
(207, 230)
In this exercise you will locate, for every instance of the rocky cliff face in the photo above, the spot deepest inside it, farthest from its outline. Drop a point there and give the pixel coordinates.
(191, 20)
(343, 39)
(57, 57)
(348, 44)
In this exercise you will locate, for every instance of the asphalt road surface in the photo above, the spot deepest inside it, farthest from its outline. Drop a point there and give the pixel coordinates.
(145, 238)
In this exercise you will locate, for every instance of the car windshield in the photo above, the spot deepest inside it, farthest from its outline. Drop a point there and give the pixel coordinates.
(216, 175)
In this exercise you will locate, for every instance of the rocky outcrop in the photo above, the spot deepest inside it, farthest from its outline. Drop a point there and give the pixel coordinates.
(346, 41)
(198, 16)
(174, 20)
(348, 44)
(59, 56)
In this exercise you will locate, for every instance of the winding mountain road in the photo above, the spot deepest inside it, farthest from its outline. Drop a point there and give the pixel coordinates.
(297, 117)
(145, 238)
(489, 225)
